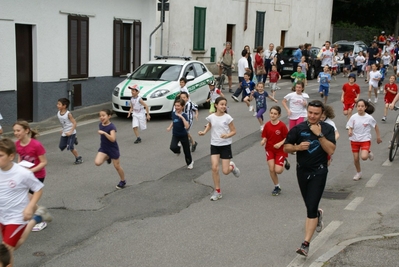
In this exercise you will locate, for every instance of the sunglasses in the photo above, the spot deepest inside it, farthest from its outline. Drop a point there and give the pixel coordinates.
(316, 104)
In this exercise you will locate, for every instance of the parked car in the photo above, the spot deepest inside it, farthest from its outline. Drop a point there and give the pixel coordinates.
(159, 84)
(287, 56)
(347, 46)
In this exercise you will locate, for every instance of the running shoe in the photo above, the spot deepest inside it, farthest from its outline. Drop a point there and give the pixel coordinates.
(194, 147)
(236, 171)
(235, 98)
(38, 227)
(303, 250)
(191, 165)
(376, 100)
(347, 127)
(216, 196)
(255, 113)
(231, 91)
(321, 95)
(138, 140)
(276, 191)
(43, 212)
(251, 108)
(320, 224)
(287, 164)
(78, 160)
(121, 184)
(369, 100)
(371, 155)
(384, 118)
(357, 176)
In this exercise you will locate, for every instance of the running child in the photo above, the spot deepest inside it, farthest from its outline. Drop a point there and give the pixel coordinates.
(222, 130)
(138, 109)
(260, 100)
(324, 79)
(214, 93)
(295, 104)
(191, 110)
(359, 64)
(16, 207)
(109, 149)
(327, 117)
(248, 87)
(350, 94)
(68, 134)
(386, 59)
(391, 90)
(347, 64)
(360, 125)
(304, 68)
(375, 76)
(298, 77)
(180, 125)
(273, 137)
(30, 150)
(183, 87)
(274, 77)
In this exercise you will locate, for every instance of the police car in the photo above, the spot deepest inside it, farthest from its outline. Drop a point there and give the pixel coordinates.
(159, 83)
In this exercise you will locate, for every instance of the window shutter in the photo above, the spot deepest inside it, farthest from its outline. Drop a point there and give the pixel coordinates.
(118, 25)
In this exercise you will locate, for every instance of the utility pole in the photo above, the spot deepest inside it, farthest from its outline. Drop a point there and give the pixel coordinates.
(162, 6)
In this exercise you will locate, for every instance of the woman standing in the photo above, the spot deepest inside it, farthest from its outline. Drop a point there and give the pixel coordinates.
(278, 60)
(250, 66)
(259, 63)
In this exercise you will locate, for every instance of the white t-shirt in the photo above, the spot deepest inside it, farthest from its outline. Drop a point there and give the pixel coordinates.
(14, 186)
(66, 123)
(296, 106)
(359, 60)
(242, 65)
(374, 75)
(326, 56)
(330, 121)
(220, 125)
(361, 127)
(386, 60)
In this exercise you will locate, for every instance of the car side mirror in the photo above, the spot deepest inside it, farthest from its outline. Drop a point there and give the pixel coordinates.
(190, 78)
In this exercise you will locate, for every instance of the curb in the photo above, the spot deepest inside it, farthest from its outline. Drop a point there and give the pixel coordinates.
(341, 246)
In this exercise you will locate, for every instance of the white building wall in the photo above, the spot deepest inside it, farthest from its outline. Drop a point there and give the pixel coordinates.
(50, 39)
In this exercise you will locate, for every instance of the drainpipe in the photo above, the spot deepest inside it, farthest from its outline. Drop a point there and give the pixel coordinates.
(151, 36)
(246, 15)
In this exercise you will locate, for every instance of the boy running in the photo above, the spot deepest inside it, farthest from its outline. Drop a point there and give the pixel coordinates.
(138, 109)
(324, 80)
(391, 90)
(350, 94)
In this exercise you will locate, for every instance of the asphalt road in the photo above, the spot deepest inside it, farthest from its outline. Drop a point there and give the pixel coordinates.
(164, 216)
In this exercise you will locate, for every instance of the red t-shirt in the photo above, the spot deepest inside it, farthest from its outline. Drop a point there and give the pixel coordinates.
(273, 76)
(31, 153)
(274, 134)
(258, 60)
(388, 95)
(350, 92)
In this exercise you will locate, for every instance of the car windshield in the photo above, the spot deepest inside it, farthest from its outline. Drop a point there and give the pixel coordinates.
(342, 48)
(288, 52)
(157, 72)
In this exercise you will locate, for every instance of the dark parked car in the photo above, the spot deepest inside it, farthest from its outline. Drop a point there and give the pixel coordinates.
(313, 63)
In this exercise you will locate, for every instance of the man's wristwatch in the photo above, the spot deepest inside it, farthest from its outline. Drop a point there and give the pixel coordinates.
(320, 135)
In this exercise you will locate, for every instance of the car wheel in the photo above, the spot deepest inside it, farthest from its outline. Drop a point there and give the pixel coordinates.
(311, 73)
(121, 115)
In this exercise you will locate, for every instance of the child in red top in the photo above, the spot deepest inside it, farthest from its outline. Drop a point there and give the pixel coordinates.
(274, 77)
(350, 94)
(391, 89)
(273, 136)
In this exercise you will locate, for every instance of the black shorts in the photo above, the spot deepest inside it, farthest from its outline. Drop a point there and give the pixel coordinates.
(223, 151)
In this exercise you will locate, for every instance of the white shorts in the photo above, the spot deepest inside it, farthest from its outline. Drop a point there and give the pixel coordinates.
(139, 120)
(273, 86)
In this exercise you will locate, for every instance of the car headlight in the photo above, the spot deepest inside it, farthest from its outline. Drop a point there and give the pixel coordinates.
(159, 93)
(116, 91)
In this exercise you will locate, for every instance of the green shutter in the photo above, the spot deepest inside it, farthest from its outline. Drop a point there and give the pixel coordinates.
(199, 28)
(259, 28)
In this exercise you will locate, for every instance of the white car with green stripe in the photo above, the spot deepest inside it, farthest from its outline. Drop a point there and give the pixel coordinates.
(159, 83)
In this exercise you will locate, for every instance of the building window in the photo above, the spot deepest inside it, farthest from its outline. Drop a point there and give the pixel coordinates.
(199, 28)
(122, 48)
(78, 47)
(259, 28)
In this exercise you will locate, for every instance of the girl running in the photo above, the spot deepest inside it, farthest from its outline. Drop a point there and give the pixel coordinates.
(273, 137)
(30, 150)
(297, 105)
(260, 100)
(109, 149)
(180, 124)
(222, 130)
(391, 89)
(359, 132)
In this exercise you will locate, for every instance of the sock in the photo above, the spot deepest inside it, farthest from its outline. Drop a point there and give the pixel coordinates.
(278, 185)
(217, 190)
(37, 218)
(306, 243)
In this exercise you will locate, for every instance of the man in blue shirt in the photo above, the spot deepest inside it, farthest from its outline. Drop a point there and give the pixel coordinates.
(297, 57)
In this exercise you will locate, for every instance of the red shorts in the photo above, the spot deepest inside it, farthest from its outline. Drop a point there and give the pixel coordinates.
(334, 68)
(278, 157)
(348, 106)
(357, 146)
(12, 233)
(389, 99)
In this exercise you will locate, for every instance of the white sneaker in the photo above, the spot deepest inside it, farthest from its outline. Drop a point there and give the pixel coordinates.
(43, 212)
(191, 165)
(216, 196)
(261, 128)
(369, 99)
(236, 171)
(376, 100)
(38, 227)
(255, 113)
(251, 108)
(357, 176)
(347, 127)
(371, 155)
(361, 76)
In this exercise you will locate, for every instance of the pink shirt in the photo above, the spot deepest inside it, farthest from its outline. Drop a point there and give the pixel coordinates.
(31, 153)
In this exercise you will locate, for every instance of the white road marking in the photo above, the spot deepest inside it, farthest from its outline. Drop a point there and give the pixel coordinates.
(387, 163)
(374, 180)
(354, 203)
(316, 243)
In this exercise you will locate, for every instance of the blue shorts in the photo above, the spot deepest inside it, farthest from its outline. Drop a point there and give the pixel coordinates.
(111, 153)
(371, 62)
(324, 89)
(67, 142)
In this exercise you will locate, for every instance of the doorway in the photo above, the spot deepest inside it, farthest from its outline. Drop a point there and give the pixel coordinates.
(23, 41)
(282, 38)
(230, 33)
